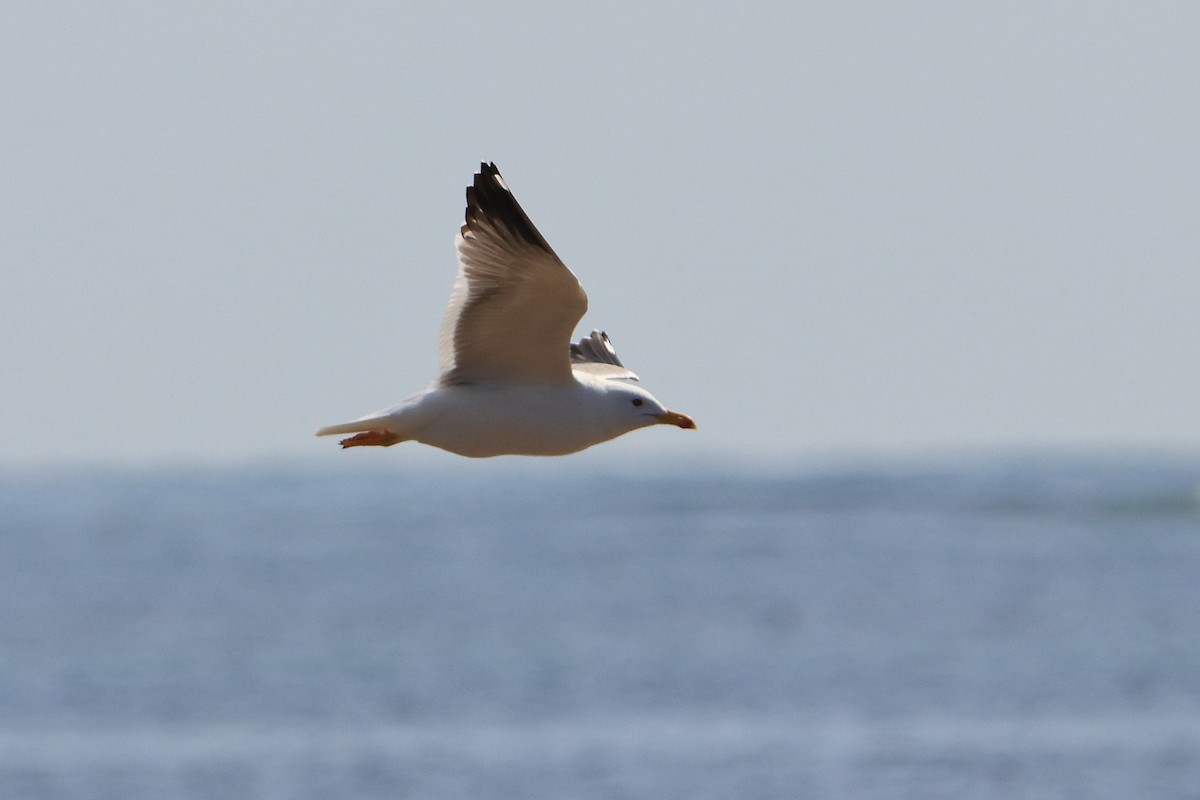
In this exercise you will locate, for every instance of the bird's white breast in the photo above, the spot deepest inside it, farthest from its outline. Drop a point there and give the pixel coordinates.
(488, 419)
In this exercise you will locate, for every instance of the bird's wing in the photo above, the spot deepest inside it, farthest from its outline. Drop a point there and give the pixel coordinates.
(514, 303)
(595, 354)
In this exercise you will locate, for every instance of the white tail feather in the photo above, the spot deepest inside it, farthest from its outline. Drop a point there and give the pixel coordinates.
(358, 426)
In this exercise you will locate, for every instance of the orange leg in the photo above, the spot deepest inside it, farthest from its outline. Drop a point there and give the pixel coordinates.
(372, 438)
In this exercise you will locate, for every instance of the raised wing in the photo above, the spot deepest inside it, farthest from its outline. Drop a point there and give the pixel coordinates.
(595, 354)
(514, 303)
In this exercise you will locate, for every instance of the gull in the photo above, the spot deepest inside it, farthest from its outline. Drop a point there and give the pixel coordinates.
(512, 382)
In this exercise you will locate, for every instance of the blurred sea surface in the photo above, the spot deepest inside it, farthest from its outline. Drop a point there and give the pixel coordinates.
(989, 629)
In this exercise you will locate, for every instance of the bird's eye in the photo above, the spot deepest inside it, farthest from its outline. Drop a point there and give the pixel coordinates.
(637, 401)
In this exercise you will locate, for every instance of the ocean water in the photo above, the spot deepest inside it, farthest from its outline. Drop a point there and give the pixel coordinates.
(982, 630)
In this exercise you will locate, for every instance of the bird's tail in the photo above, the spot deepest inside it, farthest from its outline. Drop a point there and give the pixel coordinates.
(357, 426)
(369, 431)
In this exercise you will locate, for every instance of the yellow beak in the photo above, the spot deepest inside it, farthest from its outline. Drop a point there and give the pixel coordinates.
(675, 418)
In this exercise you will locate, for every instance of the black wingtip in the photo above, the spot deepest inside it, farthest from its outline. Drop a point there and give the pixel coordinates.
(489, 197)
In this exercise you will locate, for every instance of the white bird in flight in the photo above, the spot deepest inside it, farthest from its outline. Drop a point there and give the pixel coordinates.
(511, 382)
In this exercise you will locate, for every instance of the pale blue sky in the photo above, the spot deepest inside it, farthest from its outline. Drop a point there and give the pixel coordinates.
(816, 228)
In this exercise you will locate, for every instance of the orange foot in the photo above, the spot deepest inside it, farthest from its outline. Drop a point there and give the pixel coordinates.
(371, 439)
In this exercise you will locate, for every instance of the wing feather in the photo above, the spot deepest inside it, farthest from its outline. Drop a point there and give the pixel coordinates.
(595, 354)
(514, 304)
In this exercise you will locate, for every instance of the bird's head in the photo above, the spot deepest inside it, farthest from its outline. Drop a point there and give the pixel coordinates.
(640, 409)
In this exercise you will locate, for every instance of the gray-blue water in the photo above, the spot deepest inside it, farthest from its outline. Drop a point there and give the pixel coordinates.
(982, 631)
